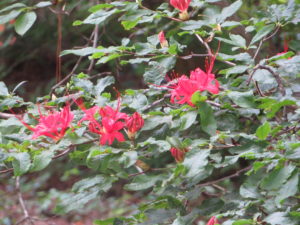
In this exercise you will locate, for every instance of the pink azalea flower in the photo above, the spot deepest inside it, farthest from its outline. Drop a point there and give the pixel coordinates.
(53, 125)
(213, 220)
(182, 5)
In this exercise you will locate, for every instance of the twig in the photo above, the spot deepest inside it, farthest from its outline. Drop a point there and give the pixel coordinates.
(95, 41)
(156, 102)
(6, 115)
(263, 40)
(149, 170)
(292, 129)
(73, 70)
(205, 44)
(7, 170)
(276, 76)
(236, 174)
(67, 77)
(22, 203)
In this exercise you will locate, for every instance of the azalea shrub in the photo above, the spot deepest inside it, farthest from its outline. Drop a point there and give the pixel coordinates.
(210, 137)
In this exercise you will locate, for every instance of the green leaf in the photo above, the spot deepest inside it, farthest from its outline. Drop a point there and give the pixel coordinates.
(104, 222)
(80, 52)
(98, 7)
(277, 178)
(25, 22)
(230, 10)
(71, 201)
(42, 160)
(195, 161)
(102, 182)
(9, 16)
(278, 218)
(262, 33)
(238, 40)
(208, 122)
(3, 89)
(263, 131)
(242, 99)
(143, 182)
(13, 6)
(243, 222)
(289, 189)
(103, 83)
(192, 25)
(43, 4)
(157, 72)
(21, 163)
(188, 119)
(128, 25)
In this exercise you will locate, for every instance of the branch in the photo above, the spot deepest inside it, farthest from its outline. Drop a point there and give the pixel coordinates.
(157, 102)
(6, 115)
(276, 76)
(22, 203)
(236, 174)
(204, 43)
(95, 41)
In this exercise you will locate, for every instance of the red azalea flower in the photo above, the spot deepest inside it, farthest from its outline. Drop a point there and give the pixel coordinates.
(182, 5)
(178, 154)
(199, 80)
(53, 125)
(213, 220)
(110, 131)
(183, 90)
(133, 124)
(163, 41)
(108, 111)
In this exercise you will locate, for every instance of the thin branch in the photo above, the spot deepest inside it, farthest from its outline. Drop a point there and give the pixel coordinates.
(6, 115)
(95, 41)
(22, 203)
(236, 174)
(7, 170)
(204, 43)
(263, 40)
(157, 102)
(149, 170)
(293, 129)
(276, 76)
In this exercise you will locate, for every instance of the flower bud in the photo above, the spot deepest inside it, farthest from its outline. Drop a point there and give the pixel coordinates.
(134, 123)
(163, 41)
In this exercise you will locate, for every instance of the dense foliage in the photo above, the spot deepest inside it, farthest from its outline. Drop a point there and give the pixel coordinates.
(221, 141)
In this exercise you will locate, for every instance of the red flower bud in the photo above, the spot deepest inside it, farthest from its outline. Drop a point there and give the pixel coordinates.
(178, 154)
(182, 5)
(163, 41)
(213, 220)
(134, 123)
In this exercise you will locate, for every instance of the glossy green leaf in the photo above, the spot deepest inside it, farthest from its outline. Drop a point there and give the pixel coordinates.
(207, 119)
(25, 22)
(263, 131)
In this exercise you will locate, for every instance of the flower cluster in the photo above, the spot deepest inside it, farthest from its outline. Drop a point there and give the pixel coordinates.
(199, 80)
(112, 122)
(55, 124)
